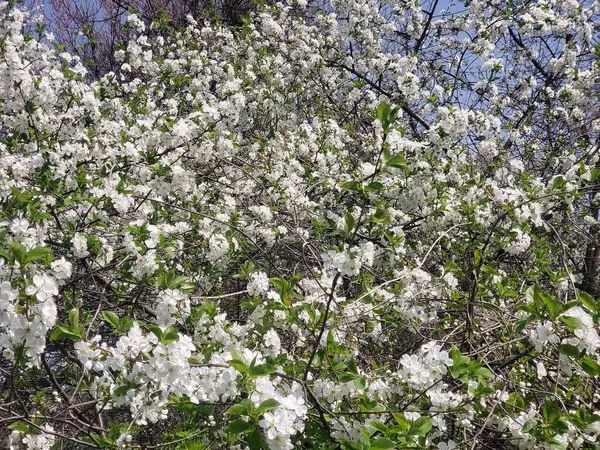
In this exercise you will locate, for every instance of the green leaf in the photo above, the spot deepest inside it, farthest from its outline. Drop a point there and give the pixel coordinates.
(349, 220)
(572, 322)
(569, 350)
(169, 335)
(351, 186)
(522, 322)
(381, 216)
(236, 354)
(347, 377)
(554, 306)
(397, 161)
(19, 426)
(515, 399)
(255, 441)
(126, 323)
(262, 369)
(587, 300)
(460, 364)
(384, 111)
(37, 253)
(126, 386)
(551, 411)
(374, 186)
(382, 443)
(530, 294)
(237, 410)
(560, 427)
(19, 252)
(238, 365)
(483, 372)
(401, 421)
(370, 405)
(352, 367)
(386, 115)
(267, 405)
(19, 196)
(279, 283)
(360, 383)
(237, 426)
(74, 317)
(379, 426)
(111, 318)
(248, 404)
(176, 282)
(420, 427)
(156, 331)
(330, 338)
(590, 366)
(349, 445)
(62, 333)
(558, 182)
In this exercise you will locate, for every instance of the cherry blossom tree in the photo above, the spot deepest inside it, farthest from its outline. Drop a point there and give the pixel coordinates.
(93, 29)
(355, 224)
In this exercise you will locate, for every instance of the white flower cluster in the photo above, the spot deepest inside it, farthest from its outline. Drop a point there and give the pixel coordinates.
(586, 335)
(169, 304)
(42, 440)
(288, 418)
(543, 334)
(259, 284)
(346, 263)
(313, 148)
(27, 326)
(424, 368)
(80, 247)
(520, 244)
(159, 371)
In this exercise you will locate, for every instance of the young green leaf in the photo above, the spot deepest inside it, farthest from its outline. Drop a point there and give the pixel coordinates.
(111, 318)
(237, 426)
(267, 405)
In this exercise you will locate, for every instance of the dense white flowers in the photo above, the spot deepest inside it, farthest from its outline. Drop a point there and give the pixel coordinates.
(586, 336)
(287, 419)
(346, 263)
(44, 439)
(388, 230)
(494, 64)
(43, 287)
(520, 243)
(272, 343)
(259, 284)
(79, 243)
(61, 269)
(426, 367)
